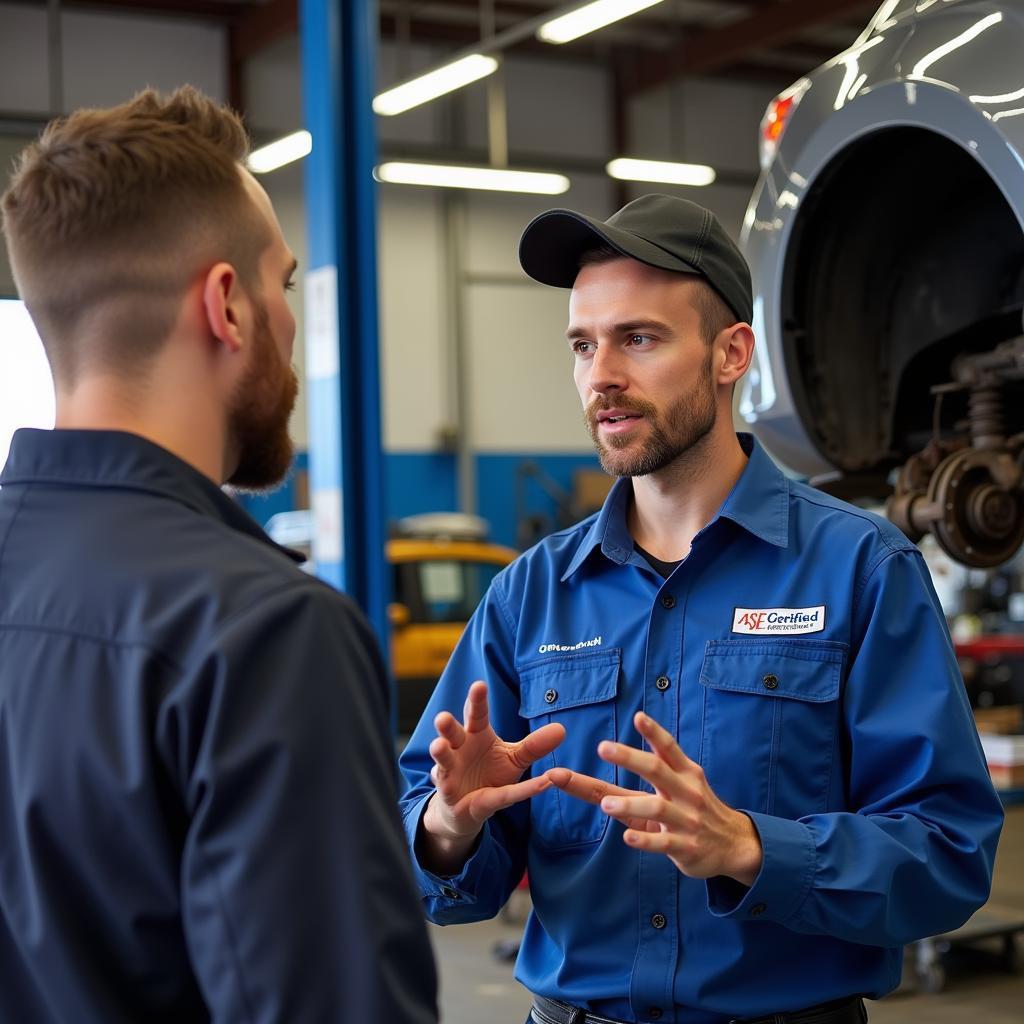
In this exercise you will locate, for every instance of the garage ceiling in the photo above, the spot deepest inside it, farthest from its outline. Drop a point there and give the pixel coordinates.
(774, 40)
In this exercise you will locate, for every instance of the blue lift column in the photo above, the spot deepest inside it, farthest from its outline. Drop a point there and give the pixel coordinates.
(339, 43)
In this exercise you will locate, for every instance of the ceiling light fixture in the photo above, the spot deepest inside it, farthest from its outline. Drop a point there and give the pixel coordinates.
(434, 83)
(490, 179)
(589, 18)
(665, 171)
(284, 151)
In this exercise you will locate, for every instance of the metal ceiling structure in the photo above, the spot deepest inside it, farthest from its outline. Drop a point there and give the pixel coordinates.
(771, 40)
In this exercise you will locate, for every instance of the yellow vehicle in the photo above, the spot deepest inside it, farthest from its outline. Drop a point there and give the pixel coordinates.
(442, 568)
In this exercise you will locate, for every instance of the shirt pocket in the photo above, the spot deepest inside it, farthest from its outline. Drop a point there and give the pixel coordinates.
(770, 722)
(579, 691)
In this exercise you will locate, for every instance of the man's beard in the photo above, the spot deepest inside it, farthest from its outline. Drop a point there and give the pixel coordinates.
(259, 414)
(684, 424)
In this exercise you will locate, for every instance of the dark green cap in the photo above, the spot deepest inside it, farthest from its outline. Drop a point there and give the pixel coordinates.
(662, 231)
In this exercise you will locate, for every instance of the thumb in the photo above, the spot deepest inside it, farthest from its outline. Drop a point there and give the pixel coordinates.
(538, 744)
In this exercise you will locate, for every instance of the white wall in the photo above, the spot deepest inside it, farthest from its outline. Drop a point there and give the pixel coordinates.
(513, 328)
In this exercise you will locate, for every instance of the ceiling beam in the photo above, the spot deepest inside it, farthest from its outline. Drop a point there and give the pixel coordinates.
(261, 26)
(716, 49)
(215, 10)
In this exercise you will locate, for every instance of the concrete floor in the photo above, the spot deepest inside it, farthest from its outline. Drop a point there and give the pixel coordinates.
(478, 989)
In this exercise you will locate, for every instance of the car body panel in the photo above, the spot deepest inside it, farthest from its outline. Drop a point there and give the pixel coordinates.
(951, 69)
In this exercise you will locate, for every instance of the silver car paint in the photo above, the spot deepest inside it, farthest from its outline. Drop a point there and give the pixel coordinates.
(926, 65)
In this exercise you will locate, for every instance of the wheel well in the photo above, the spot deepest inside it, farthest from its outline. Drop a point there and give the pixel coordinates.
(903, 253)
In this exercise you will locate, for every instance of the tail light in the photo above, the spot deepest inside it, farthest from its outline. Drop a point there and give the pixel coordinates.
(776, 117)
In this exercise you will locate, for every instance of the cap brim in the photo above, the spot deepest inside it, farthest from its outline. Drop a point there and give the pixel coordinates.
(552, 244)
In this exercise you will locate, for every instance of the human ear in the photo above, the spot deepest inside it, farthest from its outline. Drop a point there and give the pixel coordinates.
(737, 349)
(222, 297)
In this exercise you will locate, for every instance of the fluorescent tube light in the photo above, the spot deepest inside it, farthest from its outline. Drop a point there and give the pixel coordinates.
(434, 83)
(660, 170)
(590, 18)
(491, 179)
(283, 151)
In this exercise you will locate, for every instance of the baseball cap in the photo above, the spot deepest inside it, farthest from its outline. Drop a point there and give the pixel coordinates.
(662, 231)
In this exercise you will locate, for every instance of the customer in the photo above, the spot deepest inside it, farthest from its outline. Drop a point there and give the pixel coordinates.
(814, 794)
(197, 816)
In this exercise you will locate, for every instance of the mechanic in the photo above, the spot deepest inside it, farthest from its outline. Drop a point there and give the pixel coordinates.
(197, 812)
(754, 774)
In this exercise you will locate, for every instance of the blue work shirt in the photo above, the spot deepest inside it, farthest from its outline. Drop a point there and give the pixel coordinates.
(197, 799)
(800, 655)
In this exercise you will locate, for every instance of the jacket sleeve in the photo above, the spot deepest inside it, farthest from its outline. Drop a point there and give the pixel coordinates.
(297, 897)
(485, 651)
(913, 854)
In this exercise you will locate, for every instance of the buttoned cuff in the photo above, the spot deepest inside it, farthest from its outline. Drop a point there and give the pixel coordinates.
(442, 894)
(782, 884)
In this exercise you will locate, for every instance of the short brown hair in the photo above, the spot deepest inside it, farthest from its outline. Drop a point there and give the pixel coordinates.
(714, 312)
(111, 213)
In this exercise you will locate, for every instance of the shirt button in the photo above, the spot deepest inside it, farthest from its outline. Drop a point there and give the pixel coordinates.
(663, 683)
(551, 696)
(770, 681)
(449, 893)
(654, 1013)
(758, 909)
(668, 601)
(659, 921)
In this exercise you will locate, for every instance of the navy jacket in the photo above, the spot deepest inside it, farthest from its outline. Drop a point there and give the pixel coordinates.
(197, 798)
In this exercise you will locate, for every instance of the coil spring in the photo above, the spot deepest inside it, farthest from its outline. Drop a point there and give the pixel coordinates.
(985, 412)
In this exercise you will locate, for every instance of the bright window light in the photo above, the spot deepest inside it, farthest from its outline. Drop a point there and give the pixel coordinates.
(490, 179)
(284, 151)
(434, 83)
(26, 386)
(590, 18)
(661, 171)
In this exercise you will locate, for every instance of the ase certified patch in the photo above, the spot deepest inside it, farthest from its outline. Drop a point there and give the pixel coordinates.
(773, 621)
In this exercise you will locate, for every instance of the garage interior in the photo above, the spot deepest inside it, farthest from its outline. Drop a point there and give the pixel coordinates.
(476, 415)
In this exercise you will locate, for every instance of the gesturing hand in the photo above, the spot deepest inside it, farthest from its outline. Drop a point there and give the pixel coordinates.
(476, 774)
(682, 818)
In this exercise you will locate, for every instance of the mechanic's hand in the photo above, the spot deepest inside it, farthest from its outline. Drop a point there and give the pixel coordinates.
(683, 818)
(476, 774)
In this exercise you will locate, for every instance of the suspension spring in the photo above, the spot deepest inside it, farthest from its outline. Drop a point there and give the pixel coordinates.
(985, 413)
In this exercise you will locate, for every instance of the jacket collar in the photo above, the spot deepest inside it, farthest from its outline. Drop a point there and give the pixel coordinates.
(123, 461)
(759, 502)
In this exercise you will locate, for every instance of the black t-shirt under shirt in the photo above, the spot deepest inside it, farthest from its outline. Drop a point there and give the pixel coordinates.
(663, 569)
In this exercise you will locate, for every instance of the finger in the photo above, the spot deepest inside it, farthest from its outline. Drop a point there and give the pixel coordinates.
(475, 714)
(486, 802)
(647, 765)
(443, 754)
(585, 787)
(538, 744)
(644, 807)
(448, 726)
(652, 842)
(662, 742)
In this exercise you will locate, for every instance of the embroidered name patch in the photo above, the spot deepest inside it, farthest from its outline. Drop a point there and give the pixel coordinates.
(773, 621)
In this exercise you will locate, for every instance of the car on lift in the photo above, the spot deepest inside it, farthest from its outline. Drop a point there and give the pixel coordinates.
(442, 564)
(886, 242)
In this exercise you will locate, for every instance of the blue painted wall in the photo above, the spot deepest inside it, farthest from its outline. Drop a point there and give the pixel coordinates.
(426, 482)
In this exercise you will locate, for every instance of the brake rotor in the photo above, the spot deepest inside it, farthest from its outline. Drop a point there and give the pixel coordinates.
(981, 523)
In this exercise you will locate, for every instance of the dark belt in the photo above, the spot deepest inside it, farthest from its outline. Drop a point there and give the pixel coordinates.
(843, 1011)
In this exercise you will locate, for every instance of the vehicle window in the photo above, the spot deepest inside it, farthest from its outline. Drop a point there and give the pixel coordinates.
(449, 591)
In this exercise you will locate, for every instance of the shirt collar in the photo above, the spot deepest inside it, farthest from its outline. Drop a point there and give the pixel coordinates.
(119, 460)
(759, 502)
